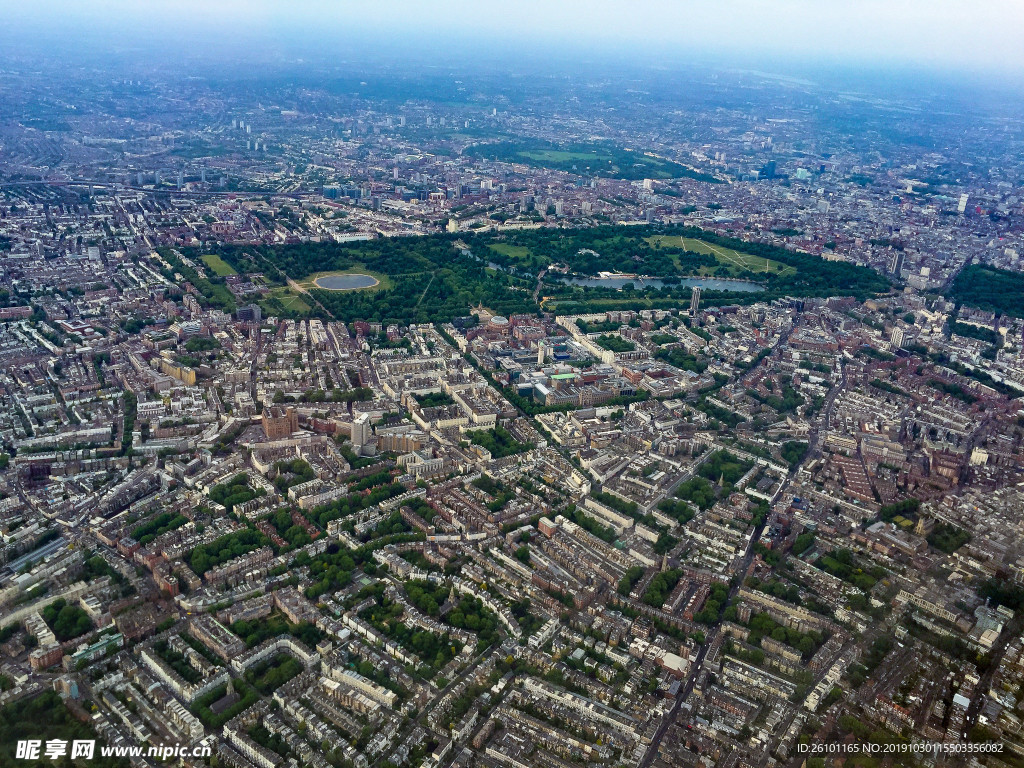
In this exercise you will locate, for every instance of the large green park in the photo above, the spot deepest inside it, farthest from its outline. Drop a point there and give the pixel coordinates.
(985, 287)
(439, 277)
(587, 159)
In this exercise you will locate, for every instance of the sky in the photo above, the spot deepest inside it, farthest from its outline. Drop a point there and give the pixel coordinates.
(956, 35)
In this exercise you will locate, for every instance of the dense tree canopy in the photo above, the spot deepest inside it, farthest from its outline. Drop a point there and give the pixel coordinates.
(442, 276)
(989, 288)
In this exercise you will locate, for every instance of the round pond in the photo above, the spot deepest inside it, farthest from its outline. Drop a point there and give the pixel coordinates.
(345, 282)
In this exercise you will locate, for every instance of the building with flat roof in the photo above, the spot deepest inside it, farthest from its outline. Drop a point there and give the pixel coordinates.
(279, 422)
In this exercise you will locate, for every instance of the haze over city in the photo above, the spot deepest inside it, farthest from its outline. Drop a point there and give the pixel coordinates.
(948, 35)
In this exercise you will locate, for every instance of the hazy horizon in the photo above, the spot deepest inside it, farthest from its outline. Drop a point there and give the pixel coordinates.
(910, 36)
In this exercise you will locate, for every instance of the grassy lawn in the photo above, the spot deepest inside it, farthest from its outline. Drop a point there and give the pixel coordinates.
(600, 159)
(561, 156)
(220, 267)
(733, 260)
(517, 252)
(612, 162)
(289, 300)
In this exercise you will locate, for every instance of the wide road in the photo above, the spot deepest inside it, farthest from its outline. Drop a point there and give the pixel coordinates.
(1013, 629)
(691, 679)
(814, 450)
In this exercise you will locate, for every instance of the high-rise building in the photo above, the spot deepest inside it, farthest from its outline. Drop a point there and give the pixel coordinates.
(896, 263)
(896, 338)
(249, 313)
(962, 205)
(361, 430)
(695, 300)
(540, 353)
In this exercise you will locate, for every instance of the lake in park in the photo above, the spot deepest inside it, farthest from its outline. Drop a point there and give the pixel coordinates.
(345, 282)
